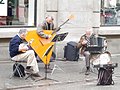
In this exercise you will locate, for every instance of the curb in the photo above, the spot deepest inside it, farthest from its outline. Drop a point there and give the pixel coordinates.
(40, 85)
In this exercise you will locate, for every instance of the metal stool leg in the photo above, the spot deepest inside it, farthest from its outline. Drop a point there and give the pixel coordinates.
(18, 70)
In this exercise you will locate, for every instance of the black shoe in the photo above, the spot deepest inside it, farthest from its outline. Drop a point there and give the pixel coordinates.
(87, 72)
(28, 67)
(27, 71)
(36, 75)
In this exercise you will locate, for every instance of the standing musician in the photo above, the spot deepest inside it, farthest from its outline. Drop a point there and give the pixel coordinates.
(82, 44)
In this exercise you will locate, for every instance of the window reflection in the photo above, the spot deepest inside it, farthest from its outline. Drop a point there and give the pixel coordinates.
(17, 13)
(110, 12)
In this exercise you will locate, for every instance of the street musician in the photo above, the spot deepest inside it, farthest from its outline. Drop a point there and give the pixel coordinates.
(82, 44)
(44, 38)
(19, 51)
(91, 44)
(46, 25)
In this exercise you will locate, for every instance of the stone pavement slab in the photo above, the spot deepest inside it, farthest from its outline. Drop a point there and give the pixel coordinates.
(71, 77)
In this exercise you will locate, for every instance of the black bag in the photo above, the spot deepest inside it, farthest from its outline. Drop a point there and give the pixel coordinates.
(19, 70)
(105, 76)
(71, 52)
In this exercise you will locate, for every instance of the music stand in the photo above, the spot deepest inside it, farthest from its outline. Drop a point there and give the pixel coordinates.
(47, 52)
(57, 38)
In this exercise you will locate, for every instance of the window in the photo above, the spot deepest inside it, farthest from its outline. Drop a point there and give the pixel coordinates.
(110, 12)
(19, 13)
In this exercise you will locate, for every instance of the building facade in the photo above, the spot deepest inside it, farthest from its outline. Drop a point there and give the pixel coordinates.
(87, 14)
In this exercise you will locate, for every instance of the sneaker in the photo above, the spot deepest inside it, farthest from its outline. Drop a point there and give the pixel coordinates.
(87, 72)
(36, 75)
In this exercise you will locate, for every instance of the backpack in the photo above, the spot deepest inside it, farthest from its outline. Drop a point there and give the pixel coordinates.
(105, 76)
(19, 70)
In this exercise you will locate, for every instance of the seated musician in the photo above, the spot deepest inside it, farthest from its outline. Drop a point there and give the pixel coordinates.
(82, 44)
(19, 52)
(46, 25)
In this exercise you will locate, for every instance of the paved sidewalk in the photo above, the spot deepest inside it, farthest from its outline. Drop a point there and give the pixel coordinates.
(71, 75)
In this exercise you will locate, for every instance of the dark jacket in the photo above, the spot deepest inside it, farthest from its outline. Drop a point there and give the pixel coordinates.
(44, 26)
(14, 46)
(47, 26)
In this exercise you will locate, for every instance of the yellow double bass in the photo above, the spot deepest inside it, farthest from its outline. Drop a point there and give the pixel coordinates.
(41, 45)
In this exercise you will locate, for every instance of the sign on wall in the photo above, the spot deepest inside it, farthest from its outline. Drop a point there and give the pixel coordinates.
(3, 7)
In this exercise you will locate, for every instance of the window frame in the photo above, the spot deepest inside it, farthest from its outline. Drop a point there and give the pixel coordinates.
(25, 26)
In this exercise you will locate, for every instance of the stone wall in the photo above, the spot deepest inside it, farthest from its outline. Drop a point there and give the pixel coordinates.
(86, 15)
(4, 50)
